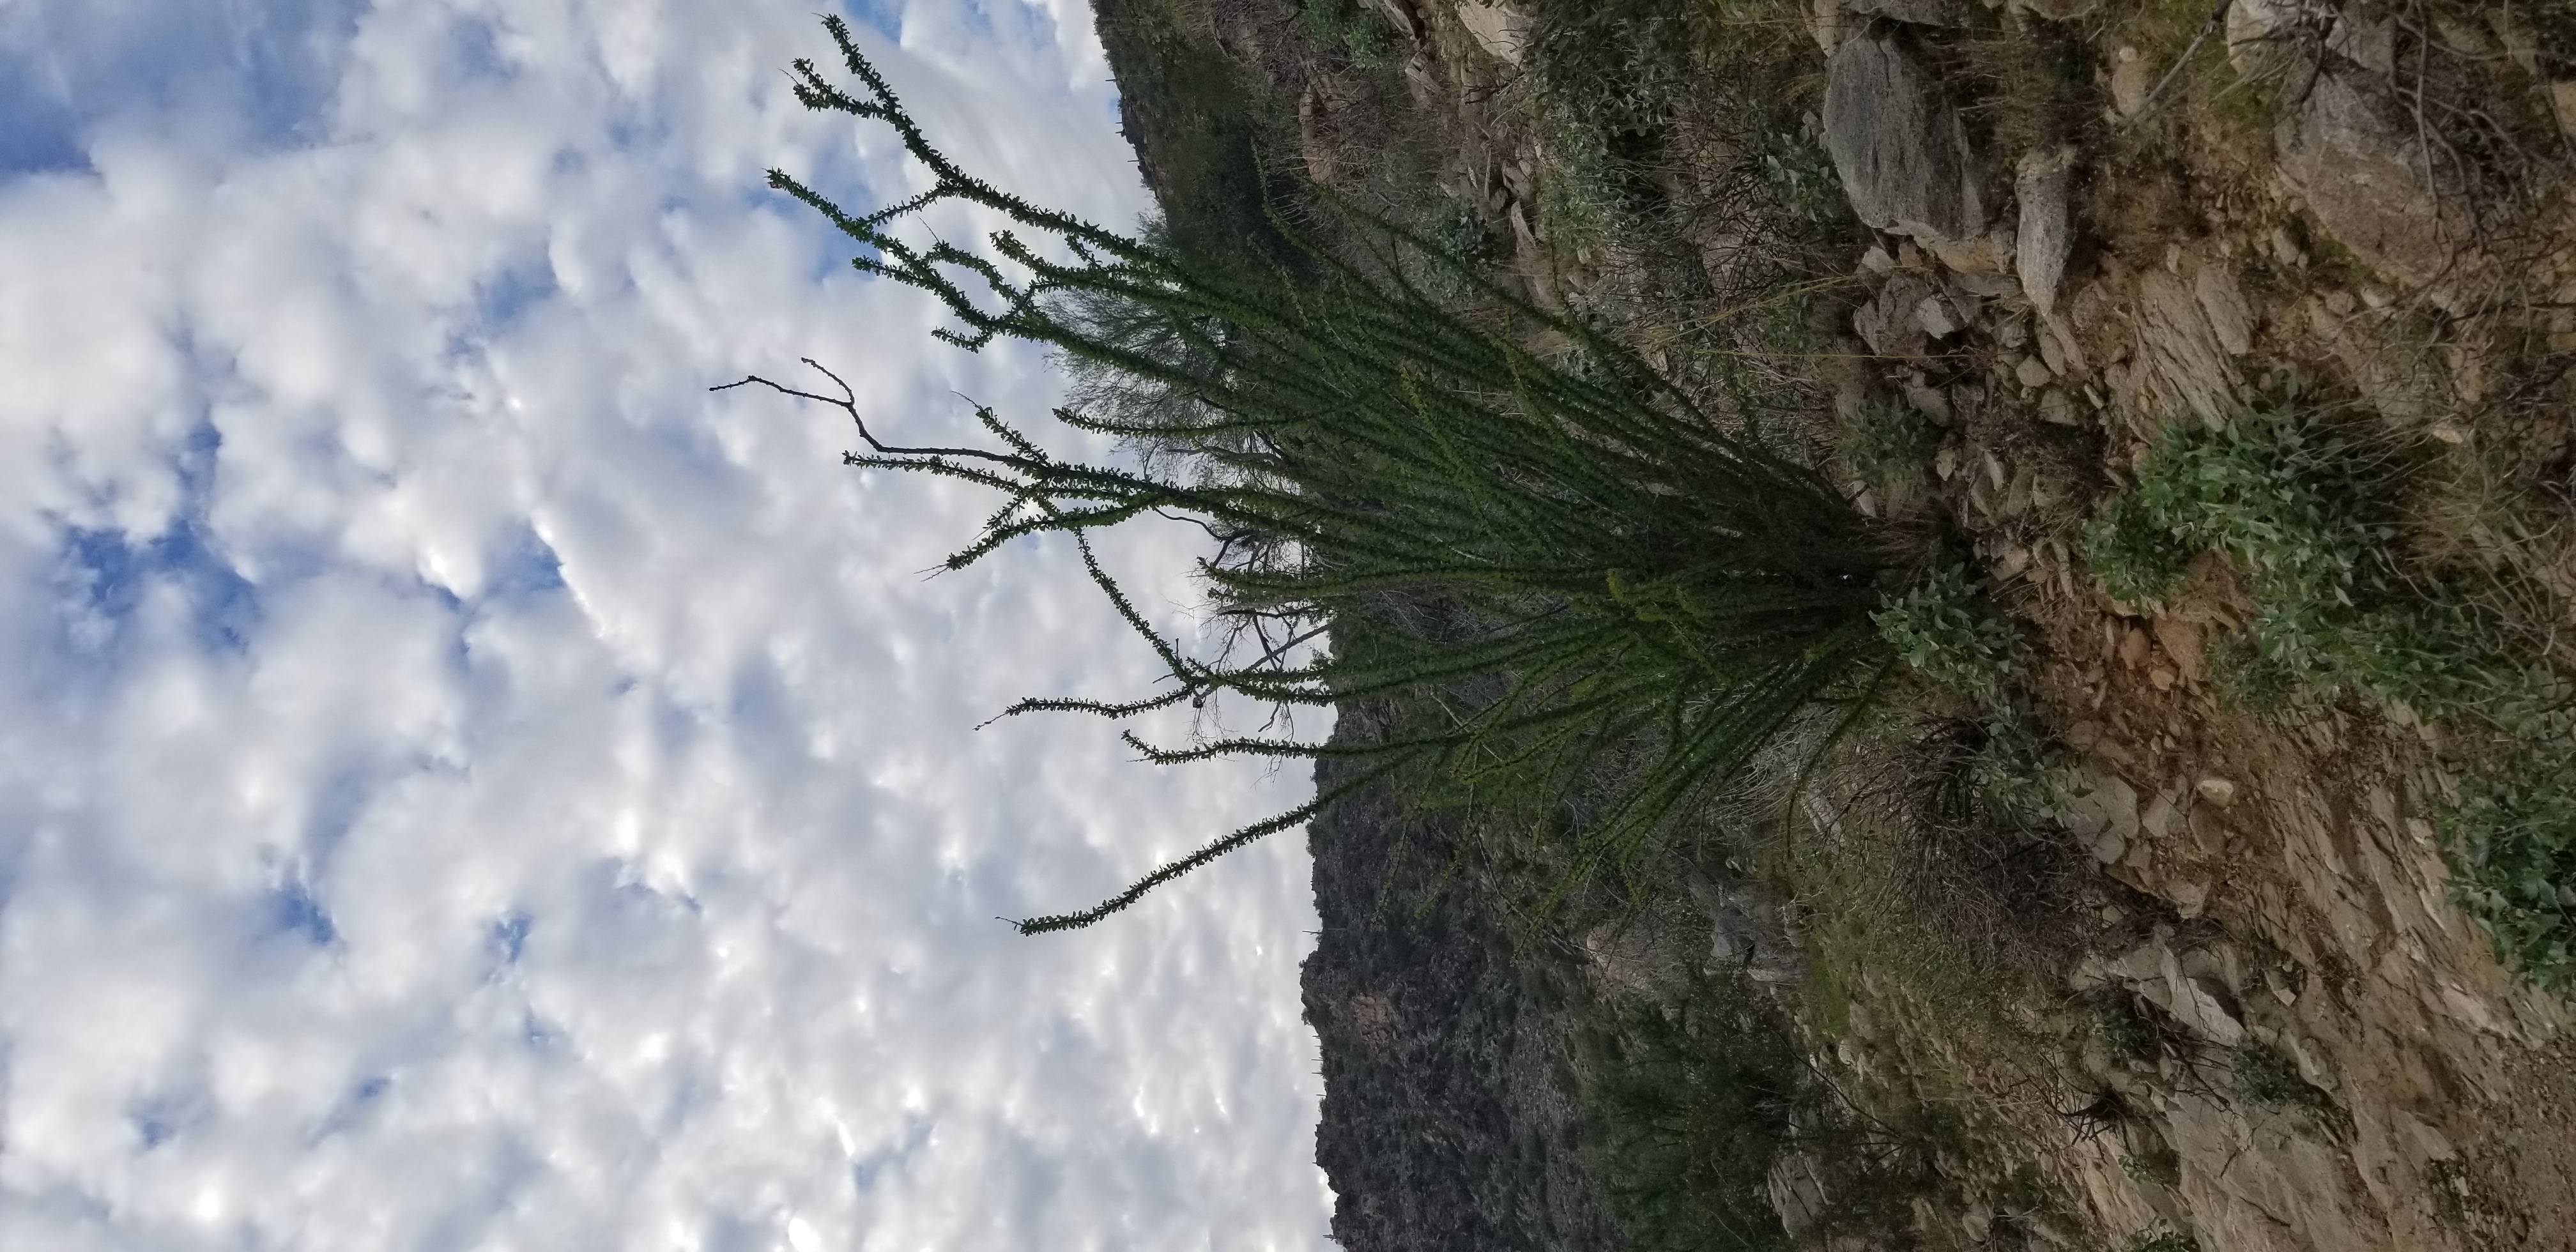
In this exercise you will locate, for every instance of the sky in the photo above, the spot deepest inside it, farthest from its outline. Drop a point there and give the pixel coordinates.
(465, 785)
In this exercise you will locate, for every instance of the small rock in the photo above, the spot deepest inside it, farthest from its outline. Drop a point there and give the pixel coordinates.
(2187, 643)
(2162, 678)
(2159, 817)
(2102, 810)
(1876, 260)
(2279, 986)
(2013, 333)
(1945, 463)
(1965, 304)
(2190, 899)
(2032, 373)
(2131, 77)
(1987, 286)
(1975, 256)
(1929, 402)
(2562, 101)
(2058, 409)
(2263, 37)
(1937, 318)
(2052, 350)
(1825, 21)
(2461, 37)
(2286, 248)
(2216, 790)
(1887, 323)
(2133, 648)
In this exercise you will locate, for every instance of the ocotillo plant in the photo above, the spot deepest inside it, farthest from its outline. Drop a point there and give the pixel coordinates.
(1570, 558)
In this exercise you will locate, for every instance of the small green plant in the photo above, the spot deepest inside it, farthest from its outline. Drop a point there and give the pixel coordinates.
(2510, 835)
(2263, 1076)
(1365, 35)
(1956, 639)
(1887, 444)
(2139, 560)
(2161, 1238)
(2152, 1169)
(2123, 1034)
(1952, 635)
(2021, 768)
(1801, 175)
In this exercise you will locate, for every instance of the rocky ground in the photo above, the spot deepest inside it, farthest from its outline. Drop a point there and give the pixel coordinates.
(2295, 893)
(2371, 198)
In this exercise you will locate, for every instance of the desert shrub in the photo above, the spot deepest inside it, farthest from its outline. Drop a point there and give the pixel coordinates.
(2510, 835)
(2261, 1075)
(2308, 512)
(1616, 67)
(1614, 80)
(1691, 1104)
(1575, 566)
(1800, 174)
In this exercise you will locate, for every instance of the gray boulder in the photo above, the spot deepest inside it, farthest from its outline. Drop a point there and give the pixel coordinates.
(1898, 143)
(2350, 150)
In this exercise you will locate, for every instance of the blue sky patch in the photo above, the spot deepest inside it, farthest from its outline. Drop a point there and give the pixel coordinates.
(292, 910)
(261, 73)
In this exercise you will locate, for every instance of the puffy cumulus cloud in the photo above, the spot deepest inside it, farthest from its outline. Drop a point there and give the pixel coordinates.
(467, 786)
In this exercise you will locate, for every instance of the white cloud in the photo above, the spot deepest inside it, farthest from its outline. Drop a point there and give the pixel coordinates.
(466, 786)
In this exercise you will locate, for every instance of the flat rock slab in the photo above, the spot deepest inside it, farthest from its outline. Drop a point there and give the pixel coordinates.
(1898, 143)
(2046, 235)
